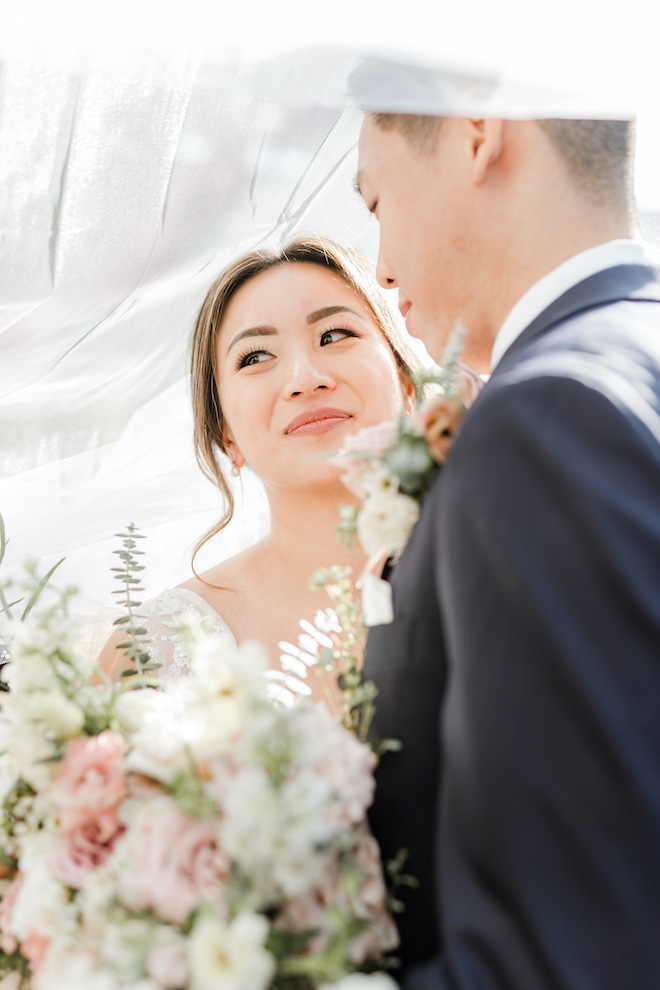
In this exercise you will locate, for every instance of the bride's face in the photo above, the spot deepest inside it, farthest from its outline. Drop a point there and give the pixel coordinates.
(302, 363)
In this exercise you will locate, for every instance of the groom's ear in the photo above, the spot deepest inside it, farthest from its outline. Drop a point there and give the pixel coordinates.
(485, 145)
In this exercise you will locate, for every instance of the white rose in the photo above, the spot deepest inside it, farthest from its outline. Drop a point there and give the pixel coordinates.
(62, 716)
(28, 671)
(29, 749)
(379, 479)
(363, 981)
(231, 957)
(42, 904)
(387, 519)
(133, 708)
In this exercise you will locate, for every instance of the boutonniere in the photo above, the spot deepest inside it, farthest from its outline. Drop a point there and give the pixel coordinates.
(391, 467)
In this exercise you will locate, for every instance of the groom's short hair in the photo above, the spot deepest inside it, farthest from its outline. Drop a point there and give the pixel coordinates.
(599, 153)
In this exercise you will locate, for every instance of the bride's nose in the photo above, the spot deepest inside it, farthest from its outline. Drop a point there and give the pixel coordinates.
(307, 373)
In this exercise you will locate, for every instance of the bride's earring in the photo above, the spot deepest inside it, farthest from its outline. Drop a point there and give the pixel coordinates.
(235, 471)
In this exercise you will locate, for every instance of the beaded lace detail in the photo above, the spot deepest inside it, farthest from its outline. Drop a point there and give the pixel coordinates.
(165, 645)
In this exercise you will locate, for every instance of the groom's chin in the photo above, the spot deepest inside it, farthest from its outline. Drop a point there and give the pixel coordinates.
(429, 335)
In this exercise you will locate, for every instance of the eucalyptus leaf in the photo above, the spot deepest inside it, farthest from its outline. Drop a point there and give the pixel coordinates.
(39, 588)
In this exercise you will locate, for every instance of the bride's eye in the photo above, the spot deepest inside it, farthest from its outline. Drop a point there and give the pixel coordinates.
(339, 333)
(252, 357)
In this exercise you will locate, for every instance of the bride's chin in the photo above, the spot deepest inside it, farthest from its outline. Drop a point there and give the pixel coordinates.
(319, 481)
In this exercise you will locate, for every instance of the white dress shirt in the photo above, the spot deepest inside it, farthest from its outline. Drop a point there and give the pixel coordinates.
(564, 277)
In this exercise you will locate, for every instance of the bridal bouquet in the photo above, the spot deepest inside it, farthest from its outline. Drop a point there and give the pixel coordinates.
(196, 836)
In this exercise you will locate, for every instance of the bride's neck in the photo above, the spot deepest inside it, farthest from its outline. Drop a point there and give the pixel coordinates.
(303, 536)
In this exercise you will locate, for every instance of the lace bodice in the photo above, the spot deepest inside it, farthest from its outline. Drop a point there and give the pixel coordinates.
(165, 644)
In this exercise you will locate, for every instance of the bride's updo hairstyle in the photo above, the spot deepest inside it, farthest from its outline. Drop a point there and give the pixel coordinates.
(209, 435)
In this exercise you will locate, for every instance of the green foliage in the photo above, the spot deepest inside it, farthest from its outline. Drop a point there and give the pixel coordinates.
(136, 659)
(36, 587)
(346, 528)
(10, 818)
(188, 792)
(328, 965)
(444, 376)
(396, 879)
(14, 961)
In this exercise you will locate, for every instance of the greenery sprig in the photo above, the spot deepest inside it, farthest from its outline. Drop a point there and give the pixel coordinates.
(36, 589)
(136, 659)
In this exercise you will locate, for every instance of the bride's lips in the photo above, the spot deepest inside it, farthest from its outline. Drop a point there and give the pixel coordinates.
(316, 421)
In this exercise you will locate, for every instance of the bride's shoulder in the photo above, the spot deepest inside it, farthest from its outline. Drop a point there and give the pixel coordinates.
(163, 642)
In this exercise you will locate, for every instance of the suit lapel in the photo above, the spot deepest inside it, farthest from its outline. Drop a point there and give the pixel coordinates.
(624, 282)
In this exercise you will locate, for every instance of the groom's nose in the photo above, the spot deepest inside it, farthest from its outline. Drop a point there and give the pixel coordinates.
(384, 275)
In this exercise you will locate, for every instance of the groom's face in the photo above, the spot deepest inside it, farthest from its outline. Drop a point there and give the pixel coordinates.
(418, 197)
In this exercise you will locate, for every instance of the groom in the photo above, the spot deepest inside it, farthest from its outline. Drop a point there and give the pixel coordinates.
(522, 668)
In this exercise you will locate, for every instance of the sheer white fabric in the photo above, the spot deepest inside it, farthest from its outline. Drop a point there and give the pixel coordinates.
(128, 181)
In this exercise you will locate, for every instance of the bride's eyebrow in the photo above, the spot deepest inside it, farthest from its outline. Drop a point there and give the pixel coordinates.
(265, 331)
(320, 314)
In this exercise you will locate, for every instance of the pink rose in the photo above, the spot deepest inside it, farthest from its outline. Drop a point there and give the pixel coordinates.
(81, 850)
(91, 779)
(8, 941)
(34, 949)
(372, 441)
(441, 421)
(359, 449)
(167, 963)
(171, 863)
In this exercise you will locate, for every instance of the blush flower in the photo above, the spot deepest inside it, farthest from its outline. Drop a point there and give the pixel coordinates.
(91, 780)
(440, 422)
(81, 850)
(171, 863)
(8, 941)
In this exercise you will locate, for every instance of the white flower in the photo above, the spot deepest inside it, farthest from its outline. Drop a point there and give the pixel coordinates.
(75, 967)
(11, 981)
(363, 981)
(274, 833)
(43, 636)
(379, 479)
(63, 717)
(387, 519)
(27, 746)
(28, 671)
(198, 716)
(42, 903)
(134, 707)
(231, 957)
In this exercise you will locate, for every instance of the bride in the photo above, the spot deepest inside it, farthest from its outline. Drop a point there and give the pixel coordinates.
(291, 352)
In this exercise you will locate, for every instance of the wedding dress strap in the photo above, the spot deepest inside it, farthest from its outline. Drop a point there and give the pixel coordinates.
(165, 645)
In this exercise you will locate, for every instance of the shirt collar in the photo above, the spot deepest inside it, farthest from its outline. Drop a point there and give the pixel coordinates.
(564, 277)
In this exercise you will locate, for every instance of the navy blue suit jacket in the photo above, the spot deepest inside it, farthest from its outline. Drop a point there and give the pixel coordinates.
(522, 669)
